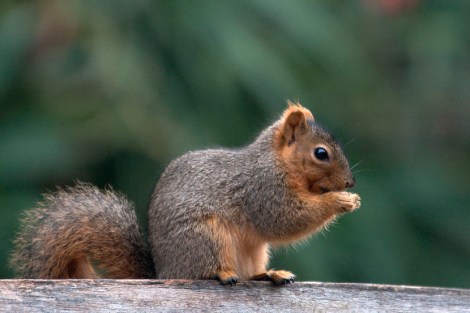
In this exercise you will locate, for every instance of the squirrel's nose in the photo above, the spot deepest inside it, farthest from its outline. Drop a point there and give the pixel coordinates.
(351, 182)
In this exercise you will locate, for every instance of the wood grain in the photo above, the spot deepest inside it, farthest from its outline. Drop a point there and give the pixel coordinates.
(210, 296)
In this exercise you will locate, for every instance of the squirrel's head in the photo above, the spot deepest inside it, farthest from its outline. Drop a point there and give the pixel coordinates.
(314, 161)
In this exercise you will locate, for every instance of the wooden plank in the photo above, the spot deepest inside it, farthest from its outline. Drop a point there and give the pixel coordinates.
(202, 296)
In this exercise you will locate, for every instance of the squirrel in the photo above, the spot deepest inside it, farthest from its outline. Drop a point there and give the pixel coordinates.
(214, 214)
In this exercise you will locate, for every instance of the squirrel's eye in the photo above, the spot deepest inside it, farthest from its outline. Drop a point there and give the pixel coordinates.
(321, 154)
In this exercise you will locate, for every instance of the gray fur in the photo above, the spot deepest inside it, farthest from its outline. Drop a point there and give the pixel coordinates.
(240, 186)
(245, 190)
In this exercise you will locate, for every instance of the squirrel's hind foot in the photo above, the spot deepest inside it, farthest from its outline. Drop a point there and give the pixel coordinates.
(278, 278)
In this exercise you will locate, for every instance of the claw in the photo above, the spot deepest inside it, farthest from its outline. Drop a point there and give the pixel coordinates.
(229, 281)
(284, 282)
(226, 277)
(281, 278)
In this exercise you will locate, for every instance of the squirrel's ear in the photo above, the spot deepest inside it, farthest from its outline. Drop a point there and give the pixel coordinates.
(293, 123)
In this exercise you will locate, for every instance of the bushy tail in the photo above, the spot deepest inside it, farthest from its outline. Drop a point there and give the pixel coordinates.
(81, 232)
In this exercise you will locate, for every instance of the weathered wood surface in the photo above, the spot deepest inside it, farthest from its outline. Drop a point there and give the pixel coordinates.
(209, 296)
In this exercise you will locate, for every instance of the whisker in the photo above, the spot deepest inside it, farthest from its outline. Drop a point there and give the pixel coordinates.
(350, 141)
(365, 170)
(356, 164)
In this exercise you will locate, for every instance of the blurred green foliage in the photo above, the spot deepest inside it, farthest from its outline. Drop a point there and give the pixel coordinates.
(109, 92)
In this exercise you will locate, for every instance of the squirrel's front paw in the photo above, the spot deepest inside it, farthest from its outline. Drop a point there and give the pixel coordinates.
(348, 201)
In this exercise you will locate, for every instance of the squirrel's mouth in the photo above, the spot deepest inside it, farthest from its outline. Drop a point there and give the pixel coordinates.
(315, 187)
(324, 190)
(319, 188)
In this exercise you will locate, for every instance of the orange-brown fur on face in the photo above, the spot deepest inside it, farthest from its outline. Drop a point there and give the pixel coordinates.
(295, 140)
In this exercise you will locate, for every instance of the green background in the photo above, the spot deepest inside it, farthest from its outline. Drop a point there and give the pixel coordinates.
(109, 92)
